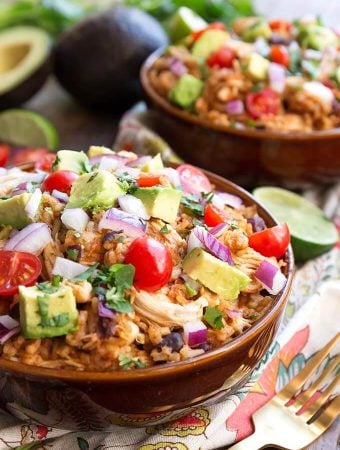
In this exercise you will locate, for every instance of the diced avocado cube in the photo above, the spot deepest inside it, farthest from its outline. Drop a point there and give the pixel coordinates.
(317, 37)
(155, 165)
(47, 315)
(184, 22)
(12, 211)
(95, 190)
(257, 67)
(96, 150)
(186, 91)
(259, 28)
(337, 76)
(70, 160)
(209, 42)
(160, 202)
(216, 275)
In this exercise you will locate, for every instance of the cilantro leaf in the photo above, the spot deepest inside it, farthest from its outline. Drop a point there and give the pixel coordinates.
(87, 274)
(47, 287)
(192, 203)
(213, 317)
(164, 229)
(129, 363)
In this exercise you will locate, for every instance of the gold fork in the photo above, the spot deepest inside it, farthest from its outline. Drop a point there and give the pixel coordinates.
(277, 423)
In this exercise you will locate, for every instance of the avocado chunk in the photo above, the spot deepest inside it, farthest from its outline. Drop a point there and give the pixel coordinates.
(257, 67)
(215, 274)
(317, 37)
(186, 91)
(70, 160)
(209, 42)
(160, 202)
(259, 28)
(12, 211)
(95, 190)
(184, 22)
(155, 165)
(96, 150)
(47, 314)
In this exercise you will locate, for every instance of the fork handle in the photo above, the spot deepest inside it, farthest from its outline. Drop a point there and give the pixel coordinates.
(252, 442)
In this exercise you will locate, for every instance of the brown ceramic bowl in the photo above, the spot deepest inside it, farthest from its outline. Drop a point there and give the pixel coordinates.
(74, 400)
(249, 157)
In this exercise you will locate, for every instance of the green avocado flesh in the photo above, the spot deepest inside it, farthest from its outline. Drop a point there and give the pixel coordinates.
(12, 211)
(160, 202)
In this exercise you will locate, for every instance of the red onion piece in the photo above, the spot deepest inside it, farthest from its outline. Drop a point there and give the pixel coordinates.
(103, 311)
(115, 219)
(139, 162)
(257, 223)
(133, 205)
(262, 47)
(173, 176)
(67, 269)
(133, 172)
(271, 277)
(220, 199)
(117, 160)
(219, 229)
(214, 246)
(8, 328)
(31, 239)
(195, 333)
(309, 53)
(32, 206)
(232, 313)
(75, 219)
(277, 77)
(193, 242)
(177, 67)
(61, 196)
(235, 107)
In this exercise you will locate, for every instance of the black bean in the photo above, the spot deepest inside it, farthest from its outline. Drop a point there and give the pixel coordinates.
(173, 340)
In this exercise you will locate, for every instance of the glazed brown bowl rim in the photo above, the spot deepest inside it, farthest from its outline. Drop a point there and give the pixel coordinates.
(166, 370)
(247, 132)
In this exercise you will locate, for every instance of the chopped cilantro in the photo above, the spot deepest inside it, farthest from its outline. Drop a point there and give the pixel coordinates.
(47, 287)
(85, 167)
(253, 316)
(198, 223)
(87, 274)
(55, 163)
(43, 304)
(164, 229)
(233, 224)
(192, 203)
(213, 317)
(32, 186)
(92, 177)
(61, 319)
(121, 239)
(256, 88)
(129, 363)
(72, 254)
(120, 277)
(56, 280)
(126, 181)
(311, 68)
(190, 291)
(208, 196)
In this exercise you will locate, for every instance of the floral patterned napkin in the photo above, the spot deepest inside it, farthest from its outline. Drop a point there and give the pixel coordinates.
(311, 319)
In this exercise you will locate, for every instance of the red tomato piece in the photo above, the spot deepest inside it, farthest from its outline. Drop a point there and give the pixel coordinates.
(45, 162)
(193, 180)
(280, 55)
(61, 180)
(263, 103)
(212, 26)
(17, 268)
(148, 180)
(271, 241)
(152, 262)
(222, 58)
(28, 155)
(280, 25)
(214, 216)
(4, 154)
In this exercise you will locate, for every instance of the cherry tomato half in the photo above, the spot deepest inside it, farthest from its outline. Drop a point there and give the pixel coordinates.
(214, 216)
(4, 154)
(280, 55)
(17, 268)
(148, 180)
(193, 180)
(263, 103)
(271, 241)
(61, 180)
(280, 25)
(28, 154)
(45, 162)
(152, 262)
(212, 26)
(222, 58)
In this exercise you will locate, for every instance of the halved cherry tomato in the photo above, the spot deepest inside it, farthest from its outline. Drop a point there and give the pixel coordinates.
(17, 268)
(280, 55)
(222, 58)
(45, 162)
(28, 155)
(263, 103)
(214, 216)
(212, 26)
(152, 262)
(4, 154)
(61, 180)
(148, 180)
(193, 180)
(280, 25)
(271, 241)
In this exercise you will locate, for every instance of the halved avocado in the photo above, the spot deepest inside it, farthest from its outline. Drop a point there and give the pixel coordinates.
(24, 64)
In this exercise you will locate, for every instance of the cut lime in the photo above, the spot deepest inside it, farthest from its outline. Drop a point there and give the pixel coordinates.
(20, 127)
(311, 232)
(184, 22)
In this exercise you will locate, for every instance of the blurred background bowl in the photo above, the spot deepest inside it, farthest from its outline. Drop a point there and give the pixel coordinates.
(248, 157)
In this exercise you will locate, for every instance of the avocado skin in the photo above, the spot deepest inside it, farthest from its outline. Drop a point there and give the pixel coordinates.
(98, 60)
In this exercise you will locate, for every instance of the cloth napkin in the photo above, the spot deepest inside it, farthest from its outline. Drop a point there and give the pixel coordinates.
(311, 320)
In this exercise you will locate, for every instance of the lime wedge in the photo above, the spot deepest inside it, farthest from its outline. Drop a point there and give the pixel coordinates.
(20, 127)
(184, 22)
(311, 232)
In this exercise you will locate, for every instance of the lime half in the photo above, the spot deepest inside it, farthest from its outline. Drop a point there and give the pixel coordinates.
(184, 22)
(25, 128)
(311, 232)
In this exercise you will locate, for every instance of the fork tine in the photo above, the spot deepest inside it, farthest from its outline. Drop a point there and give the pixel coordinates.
(315, 406)
(298, 381)
(328, 415)
(306, 395)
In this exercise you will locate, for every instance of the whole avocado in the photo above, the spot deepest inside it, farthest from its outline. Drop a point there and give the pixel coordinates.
(98, 60)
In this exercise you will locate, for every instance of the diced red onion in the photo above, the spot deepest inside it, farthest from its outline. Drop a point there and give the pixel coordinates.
(131, 171)
(77, 248)
(262, 47)
(319, 91)
(214, 246)
(235, 107)
(177, 67)
(257, 223)
(31, 239)
(117, 161)
(67, 269)
(173, 176)
(61, 196)
(277, 77)
(133, 205)
(103, 311)
(139, 162)
(220, 199)
(75, 219)
(195, 333)
(271, 277)
(192, 283)
(193, 242)
(232, 313)
(33, 204)
(8, 328)
(310, 53)
(219, 229)
(115, 219)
